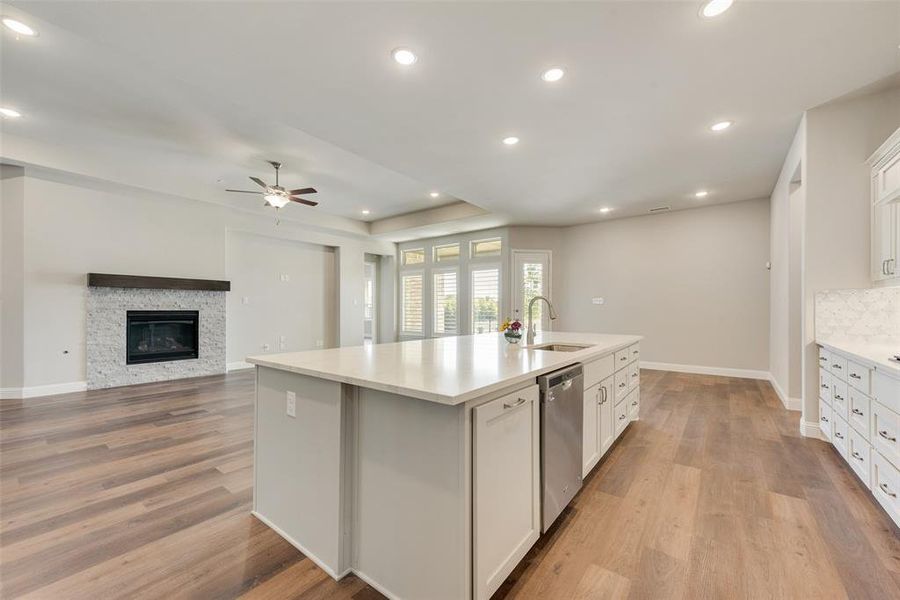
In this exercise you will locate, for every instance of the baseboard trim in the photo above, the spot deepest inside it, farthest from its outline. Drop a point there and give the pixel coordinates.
(703, 370)
(788, 402)
(238, 366)
(811, 429)
(14, 393)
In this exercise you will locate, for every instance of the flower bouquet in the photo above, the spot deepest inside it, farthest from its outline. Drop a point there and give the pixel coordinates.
(512, 330)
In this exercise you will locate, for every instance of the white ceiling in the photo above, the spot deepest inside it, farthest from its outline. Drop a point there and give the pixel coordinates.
(173, 96)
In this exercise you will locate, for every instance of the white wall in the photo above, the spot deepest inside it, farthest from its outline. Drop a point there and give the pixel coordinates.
(692, 282)
(265, 313)
(73, 226)
(12, 290)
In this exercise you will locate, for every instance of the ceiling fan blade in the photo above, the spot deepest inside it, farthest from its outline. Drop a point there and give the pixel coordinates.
(306, 202)
(259, 182)
(244, 191)
(303, 191)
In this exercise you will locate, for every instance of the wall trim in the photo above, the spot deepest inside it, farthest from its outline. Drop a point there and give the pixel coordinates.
(19, 393)
(704, 370)
(237, 366)
(811, 429)
(788, 402)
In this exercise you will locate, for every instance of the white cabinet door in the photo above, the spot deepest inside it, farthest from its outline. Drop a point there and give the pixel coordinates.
(590, 439)
(506, 456)
(607, 426)
(884, 241)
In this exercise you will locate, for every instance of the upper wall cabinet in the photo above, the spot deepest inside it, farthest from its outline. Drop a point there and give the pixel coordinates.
(886, 209)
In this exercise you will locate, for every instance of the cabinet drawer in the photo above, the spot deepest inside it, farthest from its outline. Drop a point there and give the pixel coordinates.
(825, 386)
(858, 377)
(621, 419)
(825, 420)
(841, 437)
(839, 400)
(887, 391)
(838, 366)
(623, 357)
(886, 485)
(824, 358)
(860, 415)
(859, 456)
(633, 404)
(634, 351)
(598, 370)
(634, 375)
(885, 431)
(622, 378)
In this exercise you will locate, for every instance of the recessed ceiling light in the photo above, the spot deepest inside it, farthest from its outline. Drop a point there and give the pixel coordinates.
(721, 125)
(714, 8)
(404, 56)
(701, 194)
(19, 27)
(365, 211)
(605, 209)
(434, 194)
(511, 140)
(9, 112)
(554, 74)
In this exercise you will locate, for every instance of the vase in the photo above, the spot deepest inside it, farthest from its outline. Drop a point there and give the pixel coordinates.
(512, 337)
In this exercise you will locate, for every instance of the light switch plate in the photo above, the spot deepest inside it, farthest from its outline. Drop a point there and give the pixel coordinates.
(291, 405)
(597, 300)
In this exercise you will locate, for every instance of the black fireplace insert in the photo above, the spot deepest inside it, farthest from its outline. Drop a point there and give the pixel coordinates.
(162, 335)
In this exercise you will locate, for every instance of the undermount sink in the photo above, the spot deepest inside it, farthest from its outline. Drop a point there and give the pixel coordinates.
(561, 347)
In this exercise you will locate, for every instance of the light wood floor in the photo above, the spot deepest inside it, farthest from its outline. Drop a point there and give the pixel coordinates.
(144, 492)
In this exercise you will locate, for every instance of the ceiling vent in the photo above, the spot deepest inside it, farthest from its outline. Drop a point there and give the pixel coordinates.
(660, 209)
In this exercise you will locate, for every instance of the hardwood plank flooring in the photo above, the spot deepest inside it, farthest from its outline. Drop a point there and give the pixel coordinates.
(144, 492)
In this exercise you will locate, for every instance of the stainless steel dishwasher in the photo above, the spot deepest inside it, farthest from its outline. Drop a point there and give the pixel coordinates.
(562, 413)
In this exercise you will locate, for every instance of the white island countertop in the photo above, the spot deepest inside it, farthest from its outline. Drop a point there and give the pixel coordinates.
(447, 370)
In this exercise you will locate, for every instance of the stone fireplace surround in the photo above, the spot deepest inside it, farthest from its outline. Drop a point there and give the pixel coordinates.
(108, 300)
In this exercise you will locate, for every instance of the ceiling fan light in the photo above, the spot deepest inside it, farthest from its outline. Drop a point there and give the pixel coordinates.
(276, 200)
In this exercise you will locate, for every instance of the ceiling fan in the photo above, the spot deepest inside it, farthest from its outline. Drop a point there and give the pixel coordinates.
(275, 195)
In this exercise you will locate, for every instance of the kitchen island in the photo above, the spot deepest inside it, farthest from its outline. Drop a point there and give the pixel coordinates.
(416, 465)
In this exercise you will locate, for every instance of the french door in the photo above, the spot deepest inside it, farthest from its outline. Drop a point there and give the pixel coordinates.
(531, 277)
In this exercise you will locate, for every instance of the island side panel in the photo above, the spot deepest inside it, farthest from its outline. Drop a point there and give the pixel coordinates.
(297, 463)
(412, 496)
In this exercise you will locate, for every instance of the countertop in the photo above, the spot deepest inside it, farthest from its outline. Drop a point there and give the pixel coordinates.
(447, 370)
(873, 354)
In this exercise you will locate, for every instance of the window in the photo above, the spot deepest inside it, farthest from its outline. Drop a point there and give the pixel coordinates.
(445, 305)
(411, 306)
(483, 248)
(416, 256)
(485, 299)
(446, 253)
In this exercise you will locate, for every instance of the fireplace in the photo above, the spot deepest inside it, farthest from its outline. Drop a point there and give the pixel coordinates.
(161, 335)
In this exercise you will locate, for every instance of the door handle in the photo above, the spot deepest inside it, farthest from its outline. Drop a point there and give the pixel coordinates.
(518, 402)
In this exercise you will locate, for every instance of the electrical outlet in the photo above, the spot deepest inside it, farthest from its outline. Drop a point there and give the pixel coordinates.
(319, 343)
(285, 277)
(245, 300)
(291, 404)
(597, 300)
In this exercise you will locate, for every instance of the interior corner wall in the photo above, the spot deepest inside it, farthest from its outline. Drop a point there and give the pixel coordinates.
(12, 265)
(72, 227)
(693, 282)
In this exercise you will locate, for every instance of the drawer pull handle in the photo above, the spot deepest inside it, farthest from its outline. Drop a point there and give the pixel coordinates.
(824, 386)
(518, 402)
(621, 385)
(856, 411)
(635, 352)
(822, 359)
(887, 490)
(857, 456)
(624, 358)
(825, 419)
(634, 403)
(885, 435)
(838, 397)
(836, 366)
(855, 376)
(634, 375)
(838, 435)
(621, 417)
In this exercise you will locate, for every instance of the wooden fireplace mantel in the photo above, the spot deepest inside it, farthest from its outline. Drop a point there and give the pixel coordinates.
(157, 283)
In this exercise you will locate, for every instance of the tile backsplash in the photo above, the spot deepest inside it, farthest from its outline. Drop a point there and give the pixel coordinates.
(871, 315)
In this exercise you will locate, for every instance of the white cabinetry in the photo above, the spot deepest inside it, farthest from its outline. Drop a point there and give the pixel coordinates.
(858, 413)
(886, 209)
(611, 401)
(507, 516)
